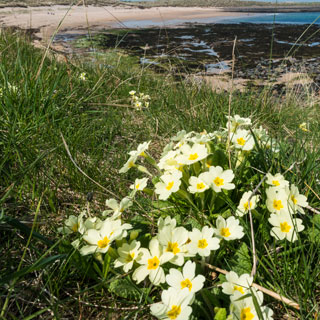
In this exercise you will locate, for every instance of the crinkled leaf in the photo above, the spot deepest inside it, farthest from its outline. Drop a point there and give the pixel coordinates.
(125, 289)
(241, 262)
(221, 314)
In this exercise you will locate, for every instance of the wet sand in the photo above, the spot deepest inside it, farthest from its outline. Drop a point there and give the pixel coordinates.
(47, 19)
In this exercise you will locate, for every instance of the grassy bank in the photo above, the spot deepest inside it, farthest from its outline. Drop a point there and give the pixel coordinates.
(44, 100)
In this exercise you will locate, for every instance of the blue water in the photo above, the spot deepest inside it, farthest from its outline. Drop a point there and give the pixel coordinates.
(287, 18)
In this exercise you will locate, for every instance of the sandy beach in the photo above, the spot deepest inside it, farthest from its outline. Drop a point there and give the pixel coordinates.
(47, 19)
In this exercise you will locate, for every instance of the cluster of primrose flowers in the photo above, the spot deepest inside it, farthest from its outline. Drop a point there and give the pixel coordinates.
(188, 175)
(12, 89)
(82, 76)
(168, 260)
(140, 100)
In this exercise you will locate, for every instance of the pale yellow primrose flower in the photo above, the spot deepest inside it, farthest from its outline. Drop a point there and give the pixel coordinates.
(169, 184)
(276, 200)
(186, 279)
(218, 178)
(243, 207)
(285, 227)
(100, 240)
(12, 88)
(167, 222)
(244, 309)
(235, 122)
(73, 224)
(169, 161)
(132, 92)
(202, 138)
(277, 181)
(296, 200)
(303, 127)
(243, 140)
(151, 261)
(139, 184)
(190, 155)
(82, 76)
(142, 147)
(197, 185)
(202, 242)
(173, 240)
(174, 305)
(235, 283)
(128, 253)
(129, 164)
(138, 105)
(117, 208)
(228, 229)
(92, 223)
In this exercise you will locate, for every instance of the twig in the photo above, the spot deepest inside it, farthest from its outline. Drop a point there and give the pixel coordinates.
(313, 210)
(75, 164)
(312, 190)
(262, 289)
(254, 254)
(230, 99)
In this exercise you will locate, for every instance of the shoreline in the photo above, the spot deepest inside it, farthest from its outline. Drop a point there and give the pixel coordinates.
(47, 18)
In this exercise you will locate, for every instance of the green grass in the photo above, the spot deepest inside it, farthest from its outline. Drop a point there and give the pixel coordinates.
(40, 186)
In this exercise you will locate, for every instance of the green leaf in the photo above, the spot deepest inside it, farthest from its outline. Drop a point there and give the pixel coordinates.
(314, 231)
(241, 263)
(125, 289)
(218, 158)
(25, 229)
(221, 314)
(38, 265)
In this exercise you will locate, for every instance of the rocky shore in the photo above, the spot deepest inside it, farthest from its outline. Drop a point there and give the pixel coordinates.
(264, 55)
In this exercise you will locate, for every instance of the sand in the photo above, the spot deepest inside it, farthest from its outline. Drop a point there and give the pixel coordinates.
(47, 19)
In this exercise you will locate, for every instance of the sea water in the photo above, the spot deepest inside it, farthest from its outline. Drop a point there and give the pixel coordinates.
(288, 18)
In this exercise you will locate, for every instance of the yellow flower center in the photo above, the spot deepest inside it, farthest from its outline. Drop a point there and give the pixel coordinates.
(294, 200)
(246, 205)
(240, 289)
(174, 312)
(153, 263)
(225, 232)
(285, 227)
(103, 243)
(131, 164)
(208, 165)
(246, 314)
(200, 186)
(276, 183)
(75, 227)
(173, 247)
(130, 257)
(142, 154)
(202, 244)
(170, 185)
(277, 204)
(137, 186)
(218, 182)
(186, 284)
(193, 156)
(241, 141)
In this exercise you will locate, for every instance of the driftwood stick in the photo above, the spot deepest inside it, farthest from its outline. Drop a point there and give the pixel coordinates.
(262, 289)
